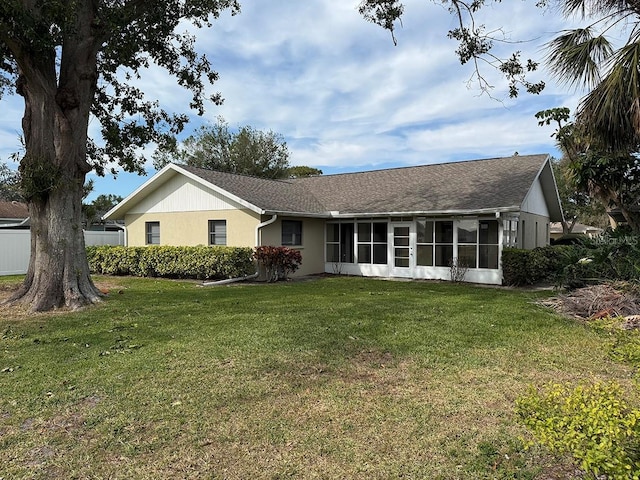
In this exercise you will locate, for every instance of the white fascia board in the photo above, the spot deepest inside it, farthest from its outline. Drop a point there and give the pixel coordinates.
(219, 190)
(283, 213)
(430, 213)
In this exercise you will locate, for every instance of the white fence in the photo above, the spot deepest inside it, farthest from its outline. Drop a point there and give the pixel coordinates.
(15, 247)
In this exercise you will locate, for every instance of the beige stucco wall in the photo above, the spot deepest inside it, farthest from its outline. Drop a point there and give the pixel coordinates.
(529, 224)
(312, 248)
(192, 228)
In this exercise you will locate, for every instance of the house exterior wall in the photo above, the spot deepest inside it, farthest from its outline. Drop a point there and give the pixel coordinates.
(312, 248)
(533, 231)
(534, 222)
(535, 202)
(192, 228)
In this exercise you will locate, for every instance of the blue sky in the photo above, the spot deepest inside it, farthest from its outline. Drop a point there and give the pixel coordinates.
(345, 98)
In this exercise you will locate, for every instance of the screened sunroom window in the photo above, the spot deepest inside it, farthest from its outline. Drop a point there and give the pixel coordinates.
(372, 243)
(424, 242)
(443, 243)
(467, 243)
(340, 248)
(488, 244)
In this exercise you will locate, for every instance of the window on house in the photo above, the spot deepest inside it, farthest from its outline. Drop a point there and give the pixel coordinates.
(424, 242)
(547, 237)
(153, 233)
(372, 243)
(510, 233)
(488, 244)
(291, 232)
(217, 232)
(443, 243)
(340, 247)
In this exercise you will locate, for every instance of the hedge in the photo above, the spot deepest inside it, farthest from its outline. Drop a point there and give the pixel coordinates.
(528, 267)
(613, 256)
(201, 262)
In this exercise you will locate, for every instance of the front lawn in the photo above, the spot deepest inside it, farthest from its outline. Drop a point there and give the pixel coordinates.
(329, 378)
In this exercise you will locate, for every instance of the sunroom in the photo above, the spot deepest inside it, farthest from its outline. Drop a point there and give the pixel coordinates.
(416, 247)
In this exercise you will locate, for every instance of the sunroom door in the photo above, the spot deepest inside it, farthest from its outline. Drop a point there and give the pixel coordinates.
(402, 260)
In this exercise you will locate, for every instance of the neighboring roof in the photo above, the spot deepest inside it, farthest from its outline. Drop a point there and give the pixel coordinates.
(13, 210)
(489, 185)
(578, 228)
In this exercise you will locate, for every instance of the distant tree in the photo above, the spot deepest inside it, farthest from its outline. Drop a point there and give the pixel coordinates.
(102, 204)
(247, 151)
(9, 184)
(300, 171)
(216, 147)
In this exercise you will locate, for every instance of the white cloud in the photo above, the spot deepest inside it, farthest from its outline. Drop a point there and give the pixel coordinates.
(345, 98)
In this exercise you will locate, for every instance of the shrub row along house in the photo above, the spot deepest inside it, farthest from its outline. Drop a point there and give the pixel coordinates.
(404, 222)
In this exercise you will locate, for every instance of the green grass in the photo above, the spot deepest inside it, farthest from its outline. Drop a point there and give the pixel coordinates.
(331, 378)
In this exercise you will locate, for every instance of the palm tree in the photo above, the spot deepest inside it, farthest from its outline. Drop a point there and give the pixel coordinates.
(585, 57)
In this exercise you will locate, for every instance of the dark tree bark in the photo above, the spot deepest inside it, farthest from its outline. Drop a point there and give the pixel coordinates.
(53, 170)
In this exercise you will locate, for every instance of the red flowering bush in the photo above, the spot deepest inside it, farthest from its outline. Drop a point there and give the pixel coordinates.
(278, 262)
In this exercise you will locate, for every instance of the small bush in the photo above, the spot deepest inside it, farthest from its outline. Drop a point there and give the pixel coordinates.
(278, 262)
(199, 262)
(591, 423)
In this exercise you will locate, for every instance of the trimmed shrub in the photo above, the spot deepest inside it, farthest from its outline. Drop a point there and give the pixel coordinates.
(591, 423)
(528, 267)
(515, 267)
(199, 262)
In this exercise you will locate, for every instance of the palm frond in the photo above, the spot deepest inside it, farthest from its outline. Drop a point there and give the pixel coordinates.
(577, 56)
(601, 8)
(612, 109)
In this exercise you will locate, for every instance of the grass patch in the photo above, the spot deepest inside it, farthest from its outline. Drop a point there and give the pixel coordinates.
(331, 378)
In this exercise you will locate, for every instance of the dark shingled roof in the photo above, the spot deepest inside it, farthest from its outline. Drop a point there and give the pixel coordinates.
(13, 210)
(459, 186)
(271, 195)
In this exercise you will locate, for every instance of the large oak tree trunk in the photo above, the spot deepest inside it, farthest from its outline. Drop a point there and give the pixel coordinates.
(57, 105)
(58, 274)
